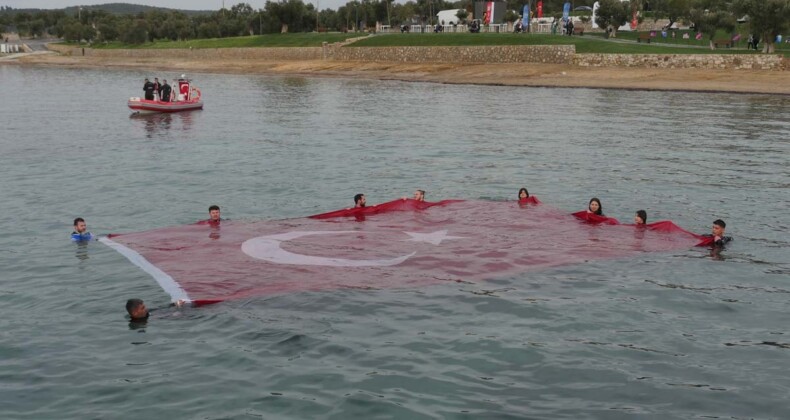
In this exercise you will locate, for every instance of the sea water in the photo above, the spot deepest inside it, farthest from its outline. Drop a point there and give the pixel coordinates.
(670, 335)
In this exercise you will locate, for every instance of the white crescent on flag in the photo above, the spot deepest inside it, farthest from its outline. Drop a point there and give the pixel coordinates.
(268, 248)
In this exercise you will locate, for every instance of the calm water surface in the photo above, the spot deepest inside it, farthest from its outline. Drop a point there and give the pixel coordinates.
(677, 335)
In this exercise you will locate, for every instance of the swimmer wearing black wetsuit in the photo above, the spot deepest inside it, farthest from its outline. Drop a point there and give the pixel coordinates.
(717, 233)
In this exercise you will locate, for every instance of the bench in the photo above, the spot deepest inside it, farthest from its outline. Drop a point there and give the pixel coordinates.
(645, 37)
(722, 42)
(578, 31)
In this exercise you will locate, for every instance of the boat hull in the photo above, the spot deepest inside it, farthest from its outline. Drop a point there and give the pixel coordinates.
(144, 106)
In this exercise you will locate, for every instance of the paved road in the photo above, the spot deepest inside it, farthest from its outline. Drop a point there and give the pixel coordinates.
(38, 44)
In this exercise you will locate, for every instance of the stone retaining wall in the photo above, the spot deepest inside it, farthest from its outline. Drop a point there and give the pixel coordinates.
(674, 61)
(62, 49)
(266, 54)
(555, 54)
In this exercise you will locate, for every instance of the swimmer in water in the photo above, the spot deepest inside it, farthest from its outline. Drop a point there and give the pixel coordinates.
(641, 217)
(359, 200)
(214, 214)
(523, 194)
(80, 232)
(717, 232)
(137, 310)
(419, 195)
(595, 207)
(139, 313)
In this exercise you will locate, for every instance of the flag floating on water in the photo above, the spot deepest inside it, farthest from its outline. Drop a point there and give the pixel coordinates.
(402, 243)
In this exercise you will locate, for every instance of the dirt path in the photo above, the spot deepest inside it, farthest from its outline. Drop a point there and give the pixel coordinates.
(549, 75)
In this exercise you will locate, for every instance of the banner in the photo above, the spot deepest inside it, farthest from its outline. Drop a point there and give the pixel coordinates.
(401, 243)
(566, 12)
(525, 17)
(540, 9)
(596, 5)
(489, 16)
(634, 18)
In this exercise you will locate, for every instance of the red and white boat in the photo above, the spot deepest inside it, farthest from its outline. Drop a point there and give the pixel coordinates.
(186, 98)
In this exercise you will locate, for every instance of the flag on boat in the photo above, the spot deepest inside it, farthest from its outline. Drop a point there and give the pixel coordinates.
(402, 243)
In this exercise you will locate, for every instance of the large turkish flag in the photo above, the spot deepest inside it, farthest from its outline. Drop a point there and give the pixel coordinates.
(402, 243)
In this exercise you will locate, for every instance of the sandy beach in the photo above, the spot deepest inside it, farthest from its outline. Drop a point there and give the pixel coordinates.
(528, 74)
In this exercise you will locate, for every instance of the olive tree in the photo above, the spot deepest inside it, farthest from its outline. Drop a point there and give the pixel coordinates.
(611, 15)
(710, 16)
(768, 18)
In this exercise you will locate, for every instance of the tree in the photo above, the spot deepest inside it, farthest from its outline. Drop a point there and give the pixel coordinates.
(511, 16)
(208, 30)
(462, 15)
(108, 29)
(135, 33)
(768, 18)
(674, 10)
(710, 16)
(612, 14)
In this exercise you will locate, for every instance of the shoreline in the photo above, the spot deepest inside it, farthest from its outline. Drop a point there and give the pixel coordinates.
(521, 74)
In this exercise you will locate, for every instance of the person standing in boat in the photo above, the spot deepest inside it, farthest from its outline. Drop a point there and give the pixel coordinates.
(164, 91)
(148, 87)
(157, 88)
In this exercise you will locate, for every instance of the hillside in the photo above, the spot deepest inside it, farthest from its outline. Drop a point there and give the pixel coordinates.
(114, 8)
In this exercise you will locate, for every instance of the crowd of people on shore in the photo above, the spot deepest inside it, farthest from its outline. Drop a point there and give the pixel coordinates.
(138, 313)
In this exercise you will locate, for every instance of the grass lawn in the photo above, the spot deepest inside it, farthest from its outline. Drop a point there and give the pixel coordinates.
(272, 40)
(783, 48)
(625, 43)
(584, 44)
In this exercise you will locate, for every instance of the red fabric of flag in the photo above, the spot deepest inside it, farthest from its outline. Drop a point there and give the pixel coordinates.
(402, 243)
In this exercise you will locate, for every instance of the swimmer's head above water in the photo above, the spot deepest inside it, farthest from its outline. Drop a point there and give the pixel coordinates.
(136, 309)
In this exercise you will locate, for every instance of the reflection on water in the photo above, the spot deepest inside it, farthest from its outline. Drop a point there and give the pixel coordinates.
(214, 231)
(81, 251)
(157, 125)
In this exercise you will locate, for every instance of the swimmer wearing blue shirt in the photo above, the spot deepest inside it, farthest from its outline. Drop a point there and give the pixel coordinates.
(80, 233)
